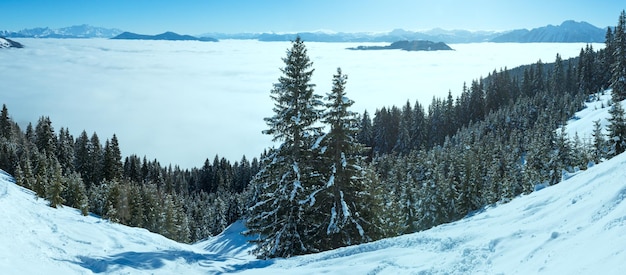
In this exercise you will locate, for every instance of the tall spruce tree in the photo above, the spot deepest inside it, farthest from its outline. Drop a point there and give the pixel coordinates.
(599, 142)
(365, 135)
(617, 130)
(75, 194)
(5, 123)
(558, 76)
(404, 144)
(65, 150)
(95, 160)
(288, 181)
(618, 68)
(56, 186)
(45, 137)
(342, 207)
(112, 160)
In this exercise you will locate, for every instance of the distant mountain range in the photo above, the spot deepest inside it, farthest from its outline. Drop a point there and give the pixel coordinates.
(455, 36)
(568, 31)
(164, 36)
(80, 31)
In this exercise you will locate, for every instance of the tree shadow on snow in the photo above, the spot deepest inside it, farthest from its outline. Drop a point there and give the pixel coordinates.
(156, 260)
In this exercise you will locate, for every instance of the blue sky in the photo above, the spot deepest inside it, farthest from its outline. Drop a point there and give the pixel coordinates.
(201, 16)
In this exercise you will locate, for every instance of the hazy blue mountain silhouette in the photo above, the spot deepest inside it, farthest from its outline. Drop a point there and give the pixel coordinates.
(77, 31)
(568, 31)
(163, 36)
(415, 45)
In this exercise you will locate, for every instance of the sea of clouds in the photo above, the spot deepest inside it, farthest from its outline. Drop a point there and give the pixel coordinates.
(182, 102)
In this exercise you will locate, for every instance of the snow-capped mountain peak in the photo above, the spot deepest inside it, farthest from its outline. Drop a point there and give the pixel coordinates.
(77, 31)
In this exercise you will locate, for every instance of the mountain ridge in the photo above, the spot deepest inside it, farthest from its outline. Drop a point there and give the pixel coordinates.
(569, 31)
(76, 31)
(405, 45)
(171, 36)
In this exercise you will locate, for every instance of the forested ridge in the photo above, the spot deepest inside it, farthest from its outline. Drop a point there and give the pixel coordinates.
(182, 204)
(401, 170)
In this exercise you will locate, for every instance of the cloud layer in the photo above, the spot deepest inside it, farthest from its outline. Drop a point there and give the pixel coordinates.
(183, 102)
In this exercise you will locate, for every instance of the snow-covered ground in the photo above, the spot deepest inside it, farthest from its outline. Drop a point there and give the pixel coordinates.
(597, 109)
(37, 239)
(575, 227)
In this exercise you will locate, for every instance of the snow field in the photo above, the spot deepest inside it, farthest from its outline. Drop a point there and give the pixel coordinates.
(582, 123)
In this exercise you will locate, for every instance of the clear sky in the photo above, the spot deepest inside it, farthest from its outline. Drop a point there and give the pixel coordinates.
(201, 16)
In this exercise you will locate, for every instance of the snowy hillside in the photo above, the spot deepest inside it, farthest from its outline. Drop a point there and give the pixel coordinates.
(8, 43)
(575, 227)
(582, 123)
(37, 239)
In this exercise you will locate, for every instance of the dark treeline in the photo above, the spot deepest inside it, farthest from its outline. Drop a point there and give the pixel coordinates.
(181, 204)
(403, 129)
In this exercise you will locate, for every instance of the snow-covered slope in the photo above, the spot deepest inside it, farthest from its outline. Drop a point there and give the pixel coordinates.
(575, 227)
(582, 123)
(37, 239)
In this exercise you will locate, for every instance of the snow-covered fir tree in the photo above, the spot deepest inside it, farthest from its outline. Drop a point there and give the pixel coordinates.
(45, 137)
(75, 194)
(65, 150)
(618, 68)
(57, 186)
(344, 215)
(287, 180)
(617, 130)
(5, 123)
(599, 142)
(112, 160)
